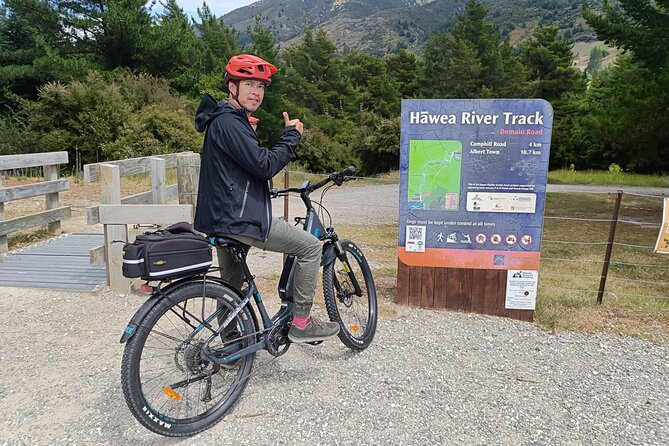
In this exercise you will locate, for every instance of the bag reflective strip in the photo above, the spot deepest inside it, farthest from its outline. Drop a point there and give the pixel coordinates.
(176, 270)
(133, 262)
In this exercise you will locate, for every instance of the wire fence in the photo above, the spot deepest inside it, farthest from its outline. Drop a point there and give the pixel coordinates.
(588, 248)
(625, 258)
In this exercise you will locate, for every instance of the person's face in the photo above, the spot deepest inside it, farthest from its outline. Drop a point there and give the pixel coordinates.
(251, 93)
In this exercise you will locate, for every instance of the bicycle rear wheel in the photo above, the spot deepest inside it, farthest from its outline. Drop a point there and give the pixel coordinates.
(356, 314)
(169, 387)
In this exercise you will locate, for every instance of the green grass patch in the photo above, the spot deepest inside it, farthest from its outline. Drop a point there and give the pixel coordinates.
(611, 177)
(561, 176)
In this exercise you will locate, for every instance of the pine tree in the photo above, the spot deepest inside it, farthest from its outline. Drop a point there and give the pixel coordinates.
(403, 68)
(222, 41)
(114, 32)
(314, 74)
(639, 26)
(172, 50)
(550, 59)
(271, 123)
(472, 61)
(628, 117)
(34, 49)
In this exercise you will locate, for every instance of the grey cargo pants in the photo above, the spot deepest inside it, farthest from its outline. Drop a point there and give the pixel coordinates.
(288, 239)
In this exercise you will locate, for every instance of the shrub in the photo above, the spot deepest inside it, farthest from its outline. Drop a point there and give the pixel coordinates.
(113, 116)
(380, 148)
(155, 129)
(321, 154)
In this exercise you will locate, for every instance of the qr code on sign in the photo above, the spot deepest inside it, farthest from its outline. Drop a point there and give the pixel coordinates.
(415, 239)
(415, 232)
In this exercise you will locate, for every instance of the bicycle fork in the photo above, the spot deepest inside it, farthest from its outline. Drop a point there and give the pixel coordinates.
(334, 249)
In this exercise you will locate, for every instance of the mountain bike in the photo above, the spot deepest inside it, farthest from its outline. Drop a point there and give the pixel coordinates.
(190, 347)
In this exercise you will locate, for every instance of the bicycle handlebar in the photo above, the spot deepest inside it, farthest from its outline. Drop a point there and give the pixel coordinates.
(338, 178)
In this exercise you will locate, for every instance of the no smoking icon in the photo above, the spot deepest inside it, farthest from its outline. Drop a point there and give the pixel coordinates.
(510, 239)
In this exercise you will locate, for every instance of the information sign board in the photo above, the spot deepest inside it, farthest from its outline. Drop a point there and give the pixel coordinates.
(473, 182)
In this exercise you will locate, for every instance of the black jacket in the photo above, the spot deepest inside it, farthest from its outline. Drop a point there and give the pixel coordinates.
(233, 194)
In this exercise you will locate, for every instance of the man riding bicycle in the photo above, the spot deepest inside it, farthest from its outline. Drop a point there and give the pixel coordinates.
(233, 196)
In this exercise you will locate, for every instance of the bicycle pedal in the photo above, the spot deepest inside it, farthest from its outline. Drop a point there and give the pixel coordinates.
(314, 342)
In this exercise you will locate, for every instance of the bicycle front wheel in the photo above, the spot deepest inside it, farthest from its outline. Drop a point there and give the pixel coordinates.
(356, 314)
(172, 389)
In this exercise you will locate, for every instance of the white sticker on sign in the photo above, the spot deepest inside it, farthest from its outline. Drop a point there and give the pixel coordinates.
(515, 203)
(521, 290)
(415, 239)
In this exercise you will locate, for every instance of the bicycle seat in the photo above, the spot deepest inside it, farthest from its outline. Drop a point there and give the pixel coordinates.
(223, 242)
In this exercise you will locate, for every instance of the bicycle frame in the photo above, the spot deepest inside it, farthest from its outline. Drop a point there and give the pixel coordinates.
(232, 352)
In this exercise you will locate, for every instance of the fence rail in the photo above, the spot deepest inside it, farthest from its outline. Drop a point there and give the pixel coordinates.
(50, 188)
(116, 212)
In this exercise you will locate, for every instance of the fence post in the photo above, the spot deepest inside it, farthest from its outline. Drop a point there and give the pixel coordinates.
(4, 247)
(52, 200)
(158, 188)
(188, 174)
(609, 246)
(110, 179)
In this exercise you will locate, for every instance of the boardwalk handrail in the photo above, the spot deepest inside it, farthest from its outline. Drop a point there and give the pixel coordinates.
(50, 188)
(109, 175)
(133, 166)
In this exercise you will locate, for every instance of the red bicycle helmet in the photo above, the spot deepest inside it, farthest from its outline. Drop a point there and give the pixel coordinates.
(247, 66)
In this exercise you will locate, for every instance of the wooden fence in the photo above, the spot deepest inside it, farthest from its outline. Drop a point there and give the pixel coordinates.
(116, 212)
(50, 187)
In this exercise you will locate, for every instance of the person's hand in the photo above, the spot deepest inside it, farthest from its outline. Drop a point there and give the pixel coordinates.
(296, 122)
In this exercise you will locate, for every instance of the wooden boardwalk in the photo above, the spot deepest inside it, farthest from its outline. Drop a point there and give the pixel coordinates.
(61, 263)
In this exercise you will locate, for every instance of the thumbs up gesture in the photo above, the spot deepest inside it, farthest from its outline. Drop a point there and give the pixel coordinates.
(296, 122)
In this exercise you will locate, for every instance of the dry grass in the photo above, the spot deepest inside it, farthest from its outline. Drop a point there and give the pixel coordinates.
(22, 239)
(636, 299)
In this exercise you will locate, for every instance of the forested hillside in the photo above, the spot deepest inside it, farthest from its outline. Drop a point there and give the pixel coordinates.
(382, 26)
(110, 79)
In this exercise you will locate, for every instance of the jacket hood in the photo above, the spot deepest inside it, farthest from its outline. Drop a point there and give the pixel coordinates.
(210, 109)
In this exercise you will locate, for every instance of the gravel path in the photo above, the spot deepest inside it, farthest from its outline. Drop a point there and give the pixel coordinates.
(430, 377)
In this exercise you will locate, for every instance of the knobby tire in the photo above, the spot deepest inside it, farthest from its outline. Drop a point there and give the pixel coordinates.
(157, 356)
(356, 315)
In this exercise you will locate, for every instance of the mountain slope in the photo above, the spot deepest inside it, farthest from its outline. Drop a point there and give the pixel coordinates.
(380, 26)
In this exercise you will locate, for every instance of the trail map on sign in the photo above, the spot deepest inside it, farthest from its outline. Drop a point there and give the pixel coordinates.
(434, 174)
